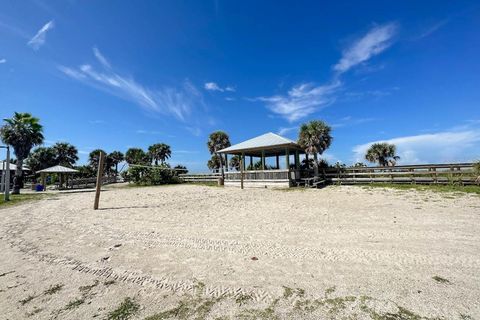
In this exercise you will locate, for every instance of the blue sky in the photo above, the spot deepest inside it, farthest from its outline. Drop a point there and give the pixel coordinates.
(134, 73)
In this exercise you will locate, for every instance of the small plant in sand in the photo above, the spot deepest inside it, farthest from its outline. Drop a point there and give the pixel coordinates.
(125, 310)
(53, 289)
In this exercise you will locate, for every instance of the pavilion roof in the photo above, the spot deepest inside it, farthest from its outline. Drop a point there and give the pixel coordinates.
(12, 166)
(270, 143)
(58, 169)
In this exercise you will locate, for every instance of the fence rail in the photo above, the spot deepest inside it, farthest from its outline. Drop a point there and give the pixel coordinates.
(88, 182)
(258, 175)
(200, 177)
(455, 173)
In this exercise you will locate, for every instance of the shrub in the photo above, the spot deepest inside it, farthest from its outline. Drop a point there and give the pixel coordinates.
(151, 175)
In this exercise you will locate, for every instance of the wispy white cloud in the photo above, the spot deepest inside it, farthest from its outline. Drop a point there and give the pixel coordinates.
(101, 58)
(446, 146)
(432, 29)
(39, 39)
(229, 99)
(284, 131)
(302, 100)
(196, 131)
(178, 102)
(371, 44)
(3, 61)
(305, 99)
(213, 86)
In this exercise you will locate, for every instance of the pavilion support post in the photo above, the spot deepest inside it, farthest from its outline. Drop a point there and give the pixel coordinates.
(226, 162)
(277, 162)
(44, 181)
(287, 159)
(297, 160)
(99, 180)
(263, 159)
(251, 162)
(242, 168)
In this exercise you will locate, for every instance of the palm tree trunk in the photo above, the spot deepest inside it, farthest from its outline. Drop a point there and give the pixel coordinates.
(17, 181)
(315, 164)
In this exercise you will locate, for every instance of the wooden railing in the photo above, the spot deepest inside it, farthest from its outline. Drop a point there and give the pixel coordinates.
(455, 173)
(258, 175)
(200, 177)
(88, 182)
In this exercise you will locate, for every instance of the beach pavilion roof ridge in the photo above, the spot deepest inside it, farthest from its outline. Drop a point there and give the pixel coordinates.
(58, 169)
(265, 141)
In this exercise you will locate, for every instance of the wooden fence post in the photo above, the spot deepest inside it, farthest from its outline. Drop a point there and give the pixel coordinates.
(99, 180)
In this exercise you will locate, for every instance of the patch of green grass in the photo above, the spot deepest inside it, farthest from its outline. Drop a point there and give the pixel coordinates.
(125, 310)
(460, 190)
(16, 199)
(441, 280)
(243, 299)
(329, 291)
(53, 289)
(27, 300)
(262, 314)
(289, 292)
(74, 304)
(187, 308)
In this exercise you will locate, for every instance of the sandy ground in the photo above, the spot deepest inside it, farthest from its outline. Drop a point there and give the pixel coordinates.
(189, 251)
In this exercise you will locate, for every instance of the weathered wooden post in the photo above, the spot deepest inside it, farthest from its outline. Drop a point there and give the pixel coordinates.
(7, 176)
(99, 180)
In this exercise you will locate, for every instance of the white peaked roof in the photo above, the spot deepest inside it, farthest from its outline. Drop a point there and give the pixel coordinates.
(13, 167)
(265, 141)
(58, 169)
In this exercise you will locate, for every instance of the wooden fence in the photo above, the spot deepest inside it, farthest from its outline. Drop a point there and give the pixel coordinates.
(88, 182)
(200, 177)
(454, 173)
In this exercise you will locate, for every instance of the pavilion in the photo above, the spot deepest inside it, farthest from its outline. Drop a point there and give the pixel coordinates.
(263, 147)
(60, 170)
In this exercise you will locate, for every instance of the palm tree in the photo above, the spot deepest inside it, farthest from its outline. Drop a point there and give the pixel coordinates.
(116, 157)
(65, 154)
(22, 132)
(159, 151)
(315, 137)
(214, 162)
(179, 169)
(41, 158)
(217, 141)
(136, 156)
(94, 158)
(235, 162)
(383, 153)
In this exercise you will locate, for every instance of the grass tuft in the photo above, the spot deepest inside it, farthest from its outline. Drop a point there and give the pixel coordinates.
(125, 311)
(74, 304)
(441, 280)
(53, 289)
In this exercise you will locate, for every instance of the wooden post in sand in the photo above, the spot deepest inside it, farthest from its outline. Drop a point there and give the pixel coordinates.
(99, 180)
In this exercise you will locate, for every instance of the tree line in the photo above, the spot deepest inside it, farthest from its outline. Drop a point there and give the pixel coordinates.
(24, 133)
